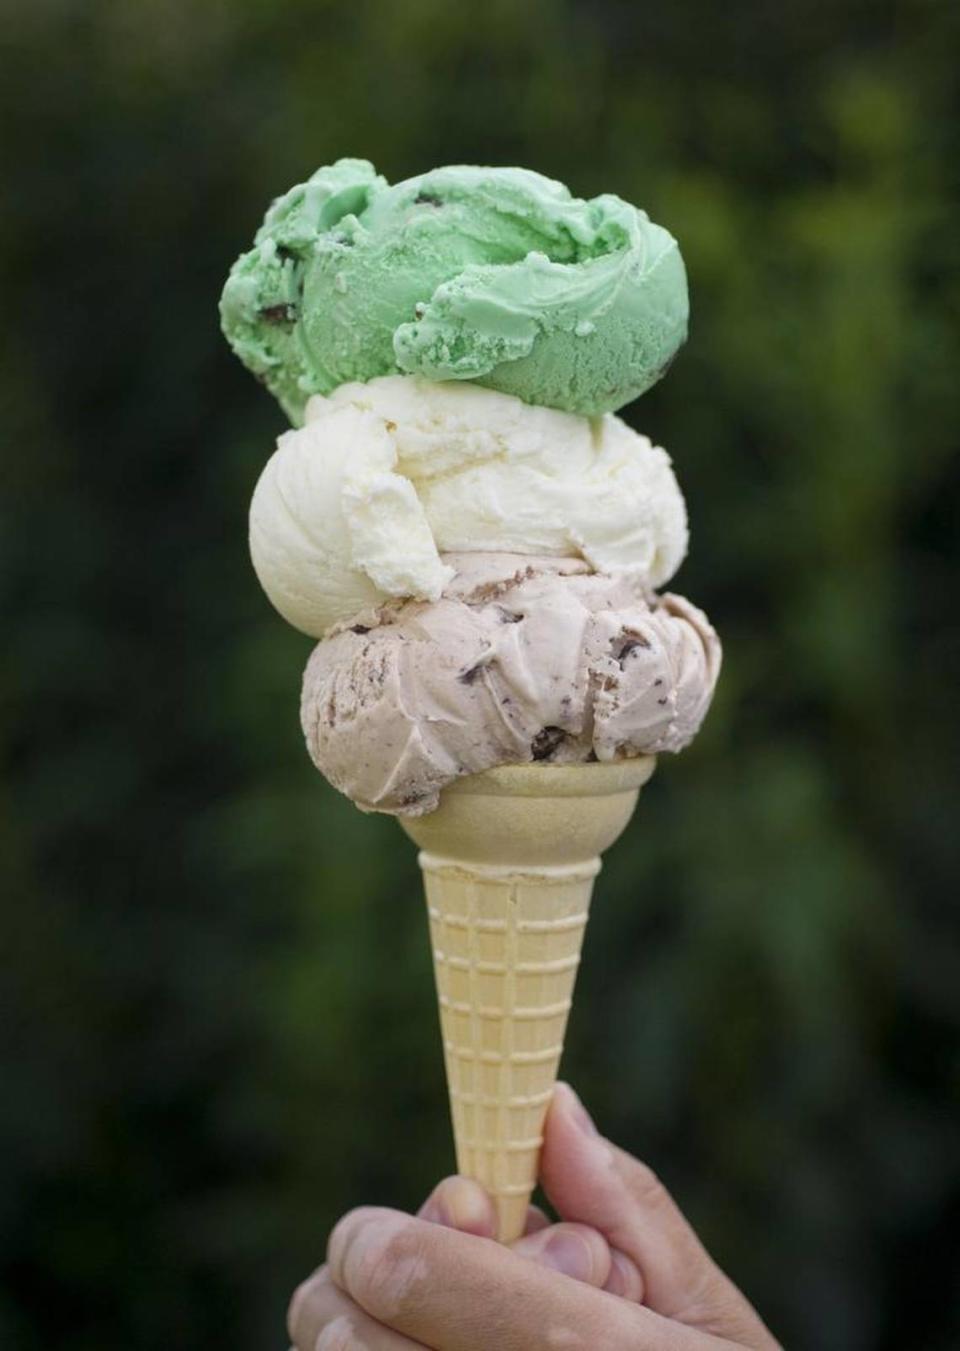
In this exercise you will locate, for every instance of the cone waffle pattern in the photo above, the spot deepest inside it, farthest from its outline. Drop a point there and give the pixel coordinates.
(506, 947)
(509, 858)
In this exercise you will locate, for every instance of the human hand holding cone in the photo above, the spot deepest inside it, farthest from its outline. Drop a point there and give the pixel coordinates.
(509, 860)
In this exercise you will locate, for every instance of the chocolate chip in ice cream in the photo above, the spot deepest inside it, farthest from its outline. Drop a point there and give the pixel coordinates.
(546, 742)
(468, 676)
(279, 314)
(630, 645)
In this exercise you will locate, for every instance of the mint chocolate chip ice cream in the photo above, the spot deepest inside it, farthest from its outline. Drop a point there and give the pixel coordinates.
(497, 275)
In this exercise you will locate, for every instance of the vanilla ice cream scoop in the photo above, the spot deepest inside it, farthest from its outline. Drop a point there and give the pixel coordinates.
(359, 504)
(522, 659)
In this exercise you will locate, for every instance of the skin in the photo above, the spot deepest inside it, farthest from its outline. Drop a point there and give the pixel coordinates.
(622, 1269)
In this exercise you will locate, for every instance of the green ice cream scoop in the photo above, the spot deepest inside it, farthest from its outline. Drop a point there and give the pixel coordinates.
(463, 273)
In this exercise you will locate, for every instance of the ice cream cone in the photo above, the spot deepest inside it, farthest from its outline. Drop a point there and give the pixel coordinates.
(509, 859)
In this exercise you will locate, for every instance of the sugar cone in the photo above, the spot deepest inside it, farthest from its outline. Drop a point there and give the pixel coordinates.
(509, 859)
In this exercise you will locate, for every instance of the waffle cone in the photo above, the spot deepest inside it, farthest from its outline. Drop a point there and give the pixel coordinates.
(509, 858)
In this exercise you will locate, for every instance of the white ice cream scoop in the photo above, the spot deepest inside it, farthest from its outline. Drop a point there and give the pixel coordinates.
(358, 504)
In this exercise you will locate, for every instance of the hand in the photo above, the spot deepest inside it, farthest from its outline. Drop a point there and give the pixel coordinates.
(623, 1271)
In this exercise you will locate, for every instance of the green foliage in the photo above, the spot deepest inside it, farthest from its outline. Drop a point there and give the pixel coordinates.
(218, 1027)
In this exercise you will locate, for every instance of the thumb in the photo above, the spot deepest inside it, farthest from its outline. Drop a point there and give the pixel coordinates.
(592, 1182)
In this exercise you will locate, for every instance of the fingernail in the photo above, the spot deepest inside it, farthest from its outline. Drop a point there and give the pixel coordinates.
(578, 1113)
(624, 1278)
(568, 1253)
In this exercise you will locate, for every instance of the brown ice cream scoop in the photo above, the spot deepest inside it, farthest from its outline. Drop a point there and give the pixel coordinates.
(522, 659)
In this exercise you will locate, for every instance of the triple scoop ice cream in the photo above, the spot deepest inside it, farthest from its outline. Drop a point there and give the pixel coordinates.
(459, 516)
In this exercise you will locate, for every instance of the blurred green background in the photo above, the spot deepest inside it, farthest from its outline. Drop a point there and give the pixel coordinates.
(218, 1028)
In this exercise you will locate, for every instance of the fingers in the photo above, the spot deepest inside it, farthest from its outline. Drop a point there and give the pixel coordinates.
(446, 1289)
(536, 1220)
(591, 1181)
(588, 1180)
(459, 1203)
(574, 1249)
(626, 1278)
(578, 1251)
(323, 1318)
